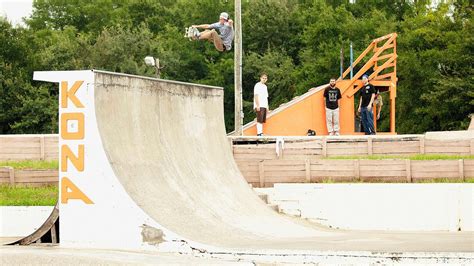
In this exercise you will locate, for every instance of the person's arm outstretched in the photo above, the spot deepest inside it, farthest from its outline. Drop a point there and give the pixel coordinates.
(202, 26)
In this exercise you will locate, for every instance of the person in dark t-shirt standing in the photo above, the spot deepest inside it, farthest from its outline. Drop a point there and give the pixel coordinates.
(332, 95)
(367, 95)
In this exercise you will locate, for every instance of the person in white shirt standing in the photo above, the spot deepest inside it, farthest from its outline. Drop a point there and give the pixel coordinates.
(260, 102)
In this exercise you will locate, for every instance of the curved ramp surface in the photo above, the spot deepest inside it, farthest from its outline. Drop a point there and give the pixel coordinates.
(158, 172)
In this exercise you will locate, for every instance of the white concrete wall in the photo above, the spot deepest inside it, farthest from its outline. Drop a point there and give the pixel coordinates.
(21, 220)
(425, 207)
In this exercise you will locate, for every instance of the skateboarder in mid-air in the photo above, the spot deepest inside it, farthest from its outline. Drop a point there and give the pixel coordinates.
(222, 41)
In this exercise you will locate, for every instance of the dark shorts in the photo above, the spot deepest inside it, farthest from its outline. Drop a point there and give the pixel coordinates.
(261, 115)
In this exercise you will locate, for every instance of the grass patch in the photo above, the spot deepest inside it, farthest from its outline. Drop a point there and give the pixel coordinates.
(417, 157)
(31, 164)
(28, 196)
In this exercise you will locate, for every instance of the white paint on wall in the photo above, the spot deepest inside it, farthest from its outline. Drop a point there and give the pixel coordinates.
(406, 207)
(20, 221)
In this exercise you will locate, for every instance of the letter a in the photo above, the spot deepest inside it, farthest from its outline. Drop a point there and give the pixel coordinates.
(71, 191)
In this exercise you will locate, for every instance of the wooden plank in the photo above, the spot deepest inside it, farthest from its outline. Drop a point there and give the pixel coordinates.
(11, 173)
(41, 141)
(308, 171)
(332, 173)
(446, 143)
(388, 173)
(471, 146)
(340, 152)
(336, 179)
(395, 167)
(430, 164)
(255, 156)
(285, 179)
(325, 147)
(16, 157)
(447, 150)
(253, 151)
(369, 146)
(285, 173)
(461, 169)
(21, 150)
(347, 145)
(435, 174)
(399, 179)
(261, 174)
(18, 140)
(303, 157)
(284, 162)
(54, 238)
(309, 145)
(408, 171)
(357, 169)
(302, 152)
(422, 145)
(395, 148)
(277, 168)
(44, 179)
(4, 172)
(248, 168)
(36, 173)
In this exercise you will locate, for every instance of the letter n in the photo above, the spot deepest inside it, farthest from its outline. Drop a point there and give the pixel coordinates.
(77, 161)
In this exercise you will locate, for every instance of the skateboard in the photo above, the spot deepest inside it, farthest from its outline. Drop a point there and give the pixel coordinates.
(191, 33)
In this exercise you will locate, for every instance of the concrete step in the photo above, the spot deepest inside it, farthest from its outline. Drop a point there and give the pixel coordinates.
(273, 207)
(263, 197)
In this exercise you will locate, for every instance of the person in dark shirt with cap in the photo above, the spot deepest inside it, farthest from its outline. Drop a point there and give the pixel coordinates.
(367, 96)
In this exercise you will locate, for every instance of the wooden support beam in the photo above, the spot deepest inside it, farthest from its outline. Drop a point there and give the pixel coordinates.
(325, 147)
(42, 156)
(11, 173)
(422, 145)
(261, 174)
(461, 169)
(308, 170)
(369, 146)
(408, 170)
(357, 169)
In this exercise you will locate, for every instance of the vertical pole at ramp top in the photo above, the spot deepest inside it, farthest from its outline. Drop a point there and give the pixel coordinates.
(238, 70)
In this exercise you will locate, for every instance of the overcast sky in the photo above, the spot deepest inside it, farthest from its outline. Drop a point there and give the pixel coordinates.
(14, 10)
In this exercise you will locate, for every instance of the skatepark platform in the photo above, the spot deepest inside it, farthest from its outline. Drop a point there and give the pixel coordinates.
(145, 165)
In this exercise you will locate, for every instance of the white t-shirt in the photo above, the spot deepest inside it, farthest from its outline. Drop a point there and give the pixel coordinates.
(260, 89)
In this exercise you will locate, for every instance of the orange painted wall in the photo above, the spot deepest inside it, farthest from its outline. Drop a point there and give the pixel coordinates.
(309, 113)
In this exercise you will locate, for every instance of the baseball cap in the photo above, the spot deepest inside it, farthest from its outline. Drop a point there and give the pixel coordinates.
(224, 15)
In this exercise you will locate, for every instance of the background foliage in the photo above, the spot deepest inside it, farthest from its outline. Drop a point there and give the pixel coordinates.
(296, 42)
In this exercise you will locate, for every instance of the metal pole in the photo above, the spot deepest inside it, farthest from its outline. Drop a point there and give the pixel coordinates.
(342, 61)
(157, 68)
(238, 118)
(352, 60)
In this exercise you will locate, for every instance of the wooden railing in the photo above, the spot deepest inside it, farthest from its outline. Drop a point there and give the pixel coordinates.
(383, 62)
(29, 147)
(307, 161)
(28, 177)
(265, 173)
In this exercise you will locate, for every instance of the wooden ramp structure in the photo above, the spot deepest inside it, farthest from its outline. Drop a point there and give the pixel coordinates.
(308, 110)
(138, 172)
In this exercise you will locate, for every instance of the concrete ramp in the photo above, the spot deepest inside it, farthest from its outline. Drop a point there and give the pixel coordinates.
(145, 164)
